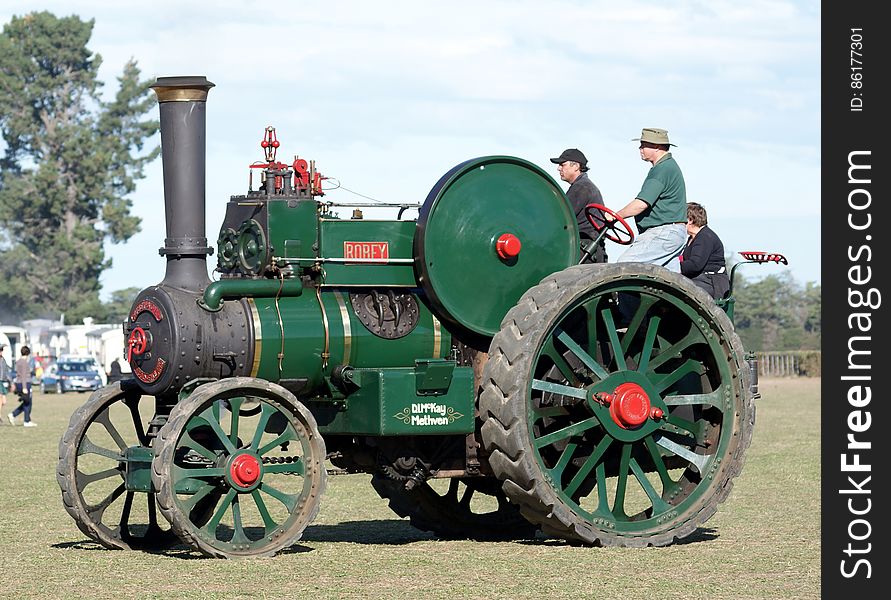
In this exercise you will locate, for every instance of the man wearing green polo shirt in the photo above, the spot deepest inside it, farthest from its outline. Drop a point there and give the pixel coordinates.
(660, 208)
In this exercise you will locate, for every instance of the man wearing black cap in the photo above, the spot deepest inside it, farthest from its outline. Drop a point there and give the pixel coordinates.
(573, 167)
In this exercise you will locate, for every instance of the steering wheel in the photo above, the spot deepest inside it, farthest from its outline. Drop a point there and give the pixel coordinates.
(617, 231)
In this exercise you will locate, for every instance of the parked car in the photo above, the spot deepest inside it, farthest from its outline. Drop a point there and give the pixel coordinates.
(70, 376)
(90, 360)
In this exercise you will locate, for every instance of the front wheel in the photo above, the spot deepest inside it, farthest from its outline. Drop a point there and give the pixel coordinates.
(104, 435)
(617, 432)
(239, 468)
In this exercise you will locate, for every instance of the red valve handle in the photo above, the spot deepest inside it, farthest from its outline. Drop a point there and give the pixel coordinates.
(137, 342)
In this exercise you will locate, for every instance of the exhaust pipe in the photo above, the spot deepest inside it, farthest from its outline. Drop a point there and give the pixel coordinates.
(183, 102)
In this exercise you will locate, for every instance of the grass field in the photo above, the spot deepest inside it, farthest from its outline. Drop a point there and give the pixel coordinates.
(763, 543)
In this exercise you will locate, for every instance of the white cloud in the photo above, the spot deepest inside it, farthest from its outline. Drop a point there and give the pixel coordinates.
(389, 95)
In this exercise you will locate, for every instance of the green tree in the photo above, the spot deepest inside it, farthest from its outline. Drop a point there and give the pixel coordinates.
(70, 160)
(118, 306)
(776, 313)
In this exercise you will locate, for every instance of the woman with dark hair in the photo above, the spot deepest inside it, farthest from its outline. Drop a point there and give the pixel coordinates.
(703, 256)
(23, 389)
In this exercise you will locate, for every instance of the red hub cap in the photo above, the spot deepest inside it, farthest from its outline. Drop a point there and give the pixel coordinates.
(245, 470)
(508, 246)
(630, 406)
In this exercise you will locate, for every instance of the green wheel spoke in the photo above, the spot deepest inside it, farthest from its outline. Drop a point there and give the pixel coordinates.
(551, 352)
(565, 457)
(668, 484)
(590, 463)
(186, 480)
(571, 430)
(581, 354)
(622, 483)
(694, 336)
(268, 522)
(549, 411)
(649, 342)
(196, 446)
(214, 424)
(235, 407)
(680, 423)
(710, 399)
(646, 302)
(266, 411)
(205, 490)
(293, 468)
(697, 460)
(214, 521)
(602, 492)
(238, 537)
(289, 500)
(132, 403)
(618, 355)
(689, 366)
(104, 419)
(590, 308)
(286, 436)
(659, 505)
(97, 510)
(85, 479)
(559, 389)
(88, 447)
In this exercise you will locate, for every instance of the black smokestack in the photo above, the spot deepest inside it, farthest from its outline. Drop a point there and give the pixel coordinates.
(183, 102)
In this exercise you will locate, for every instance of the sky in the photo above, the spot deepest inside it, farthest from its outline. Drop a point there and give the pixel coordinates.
(387, 96)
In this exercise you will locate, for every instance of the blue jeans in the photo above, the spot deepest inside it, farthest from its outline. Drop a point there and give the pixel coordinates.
(25, 406)
(660, 245)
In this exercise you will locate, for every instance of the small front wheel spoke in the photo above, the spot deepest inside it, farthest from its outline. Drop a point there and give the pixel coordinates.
(217, 517)
(268, 522)
(289, 500)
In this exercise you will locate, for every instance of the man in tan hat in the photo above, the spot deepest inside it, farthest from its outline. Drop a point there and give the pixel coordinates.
(573, 169)
(660, 207)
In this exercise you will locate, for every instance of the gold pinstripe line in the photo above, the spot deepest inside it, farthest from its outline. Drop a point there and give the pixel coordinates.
(437, 337)
(258, 337)
(347, 330)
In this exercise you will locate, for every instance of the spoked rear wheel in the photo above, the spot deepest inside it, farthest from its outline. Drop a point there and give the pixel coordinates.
(469, 508)
(239, 468)
(617, 433)
(92, 456)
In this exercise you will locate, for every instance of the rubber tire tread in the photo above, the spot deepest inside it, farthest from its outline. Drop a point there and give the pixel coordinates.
(503, 404)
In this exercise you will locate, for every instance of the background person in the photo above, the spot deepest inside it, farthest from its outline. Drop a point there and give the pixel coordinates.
(572, 167)
(23, 389)
(659, 209)
(5, 379)
(703, 257)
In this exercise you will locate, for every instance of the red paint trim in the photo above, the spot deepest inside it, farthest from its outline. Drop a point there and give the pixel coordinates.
(153, 375)
(146, 306)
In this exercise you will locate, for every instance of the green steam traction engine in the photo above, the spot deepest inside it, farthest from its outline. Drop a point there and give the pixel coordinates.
(466, 360)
